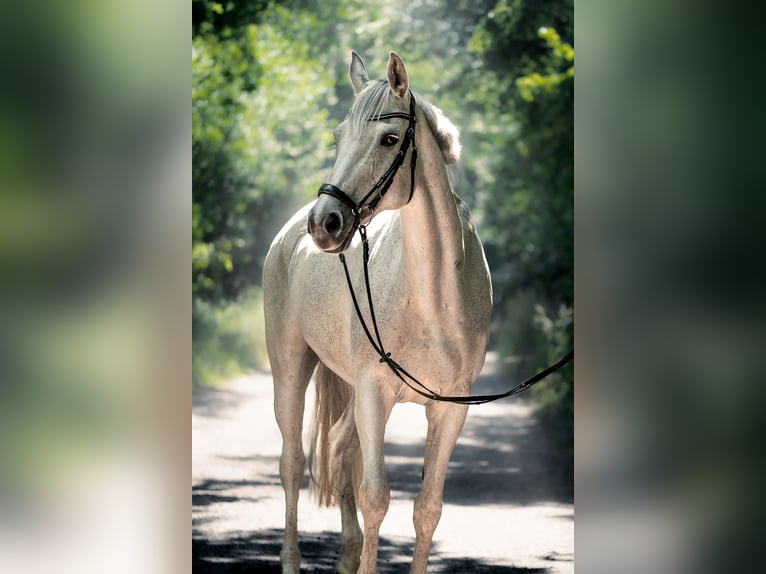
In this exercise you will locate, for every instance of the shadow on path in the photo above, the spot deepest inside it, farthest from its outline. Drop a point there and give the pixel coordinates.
(219, 403)
(211, 492)
(496, 461)
(259, 552)
(502, 458)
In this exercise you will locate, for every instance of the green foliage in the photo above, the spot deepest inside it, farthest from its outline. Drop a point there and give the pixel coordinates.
(259, 142)
(531, 85)
(556, 395)
(259, 120)
(228, 340)
(528, 211)
(525, 92)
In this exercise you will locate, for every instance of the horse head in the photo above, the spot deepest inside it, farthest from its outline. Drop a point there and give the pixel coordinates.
(376, 155)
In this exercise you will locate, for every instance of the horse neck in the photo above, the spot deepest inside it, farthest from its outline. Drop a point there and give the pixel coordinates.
(432, 234)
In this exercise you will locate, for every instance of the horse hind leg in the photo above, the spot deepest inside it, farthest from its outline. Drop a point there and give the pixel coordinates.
(291, 378)
(445, 421)
(346, 460)
(336, 462)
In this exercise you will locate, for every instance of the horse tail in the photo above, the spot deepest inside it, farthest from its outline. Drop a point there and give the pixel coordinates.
(328, 450)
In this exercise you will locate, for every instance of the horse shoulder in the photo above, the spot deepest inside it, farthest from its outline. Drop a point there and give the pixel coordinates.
(284, 243)
(276, 272)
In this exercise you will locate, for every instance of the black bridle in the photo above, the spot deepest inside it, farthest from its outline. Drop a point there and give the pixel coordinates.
(366, 206)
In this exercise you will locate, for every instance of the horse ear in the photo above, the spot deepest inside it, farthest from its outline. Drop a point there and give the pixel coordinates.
(397, 75)
(357, 73)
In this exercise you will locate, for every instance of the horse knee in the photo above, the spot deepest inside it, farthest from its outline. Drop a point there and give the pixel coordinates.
(426, 515)
(292, 464)
(374, 498)
(351, 544)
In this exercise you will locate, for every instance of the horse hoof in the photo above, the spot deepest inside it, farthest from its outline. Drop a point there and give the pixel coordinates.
(346, 567)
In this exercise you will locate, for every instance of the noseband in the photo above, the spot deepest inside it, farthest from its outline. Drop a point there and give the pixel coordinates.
(368, 203)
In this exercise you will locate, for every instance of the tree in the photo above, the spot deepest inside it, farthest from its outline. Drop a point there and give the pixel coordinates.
(526, 93)
(259, 119)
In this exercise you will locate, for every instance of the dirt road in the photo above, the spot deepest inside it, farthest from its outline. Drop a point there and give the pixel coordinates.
(508, 507)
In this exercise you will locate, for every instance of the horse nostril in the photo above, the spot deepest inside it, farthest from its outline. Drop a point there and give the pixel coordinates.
(333, 223)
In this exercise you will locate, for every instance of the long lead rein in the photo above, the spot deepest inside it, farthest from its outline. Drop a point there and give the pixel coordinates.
(400, 372)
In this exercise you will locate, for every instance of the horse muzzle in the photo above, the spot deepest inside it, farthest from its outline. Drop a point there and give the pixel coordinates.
(331, 225)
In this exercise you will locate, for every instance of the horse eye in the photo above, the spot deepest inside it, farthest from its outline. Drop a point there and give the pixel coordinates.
(389, 140)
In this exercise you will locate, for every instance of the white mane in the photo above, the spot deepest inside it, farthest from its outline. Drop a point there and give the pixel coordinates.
(376, 96)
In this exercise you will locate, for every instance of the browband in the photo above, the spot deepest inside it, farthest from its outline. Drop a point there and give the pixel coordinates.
(384, 183)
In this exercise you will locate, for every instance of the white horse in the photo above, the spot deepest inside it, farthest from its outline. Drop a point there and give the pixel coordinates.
(432, 296)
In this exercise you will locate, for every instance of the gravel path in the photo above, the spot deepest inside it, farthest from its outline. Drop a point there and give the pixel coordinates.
(508, 507)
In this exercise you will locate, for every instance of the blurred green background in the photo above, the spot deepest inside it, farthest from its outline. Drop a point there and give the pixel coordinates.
(269, 83)
(95, 210)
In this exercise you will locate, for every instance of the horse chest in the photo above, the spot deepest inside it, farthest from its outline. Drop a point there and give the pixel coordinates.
(437, 345)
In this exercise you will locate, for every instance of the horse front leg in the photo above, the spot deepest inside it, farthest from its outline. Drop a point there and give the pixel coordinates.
(445, 421)
(371, 411)
(291, 379)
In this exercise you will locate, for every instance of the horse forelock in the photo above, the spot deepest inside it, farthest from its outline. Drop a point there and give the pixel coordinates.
(370, 102)
(374, 100)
